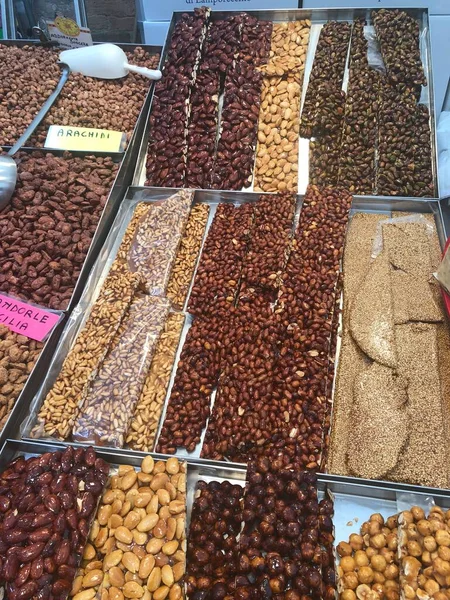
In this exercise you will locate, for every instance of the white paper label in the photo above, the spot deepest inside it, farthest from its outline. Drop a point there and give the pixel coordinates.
(68, 34)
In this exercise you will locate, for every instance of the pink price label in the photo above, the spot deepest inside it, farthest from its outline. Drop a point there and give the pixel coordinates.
(28, 320)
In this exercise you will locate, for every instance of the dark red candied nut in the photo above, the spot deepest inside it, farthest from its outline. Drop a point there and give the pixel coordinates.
(51, 545)
(83, 527)
(25, 592)
(14, 536)
(61, 586)
(62, 552)
(49, 565)
(43, 518)
(67, 499)
(41, 535)
(5, 504)
(10, 567)
(22, 575)
(59, 483)
(37, 568)
(93, 483)
(59, 524)
(53, 503)
(30, 552)
(44, 478)
(102, 466)
(87, 504)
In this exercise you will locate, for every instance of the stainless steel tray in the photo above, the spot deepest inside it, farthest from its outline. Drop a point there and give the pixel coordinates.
(355, 500)
(123, 178)
(115, 197)
(317, 17)
(132, 148)
(27, 411)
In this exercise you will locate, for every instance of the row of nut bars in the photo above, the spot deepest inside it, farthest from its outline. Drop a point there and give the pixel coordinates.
(268, 358)
(204, 61)
(323, 108)
(112, 384)
(273, 539)
(276, 165)
(379, 114)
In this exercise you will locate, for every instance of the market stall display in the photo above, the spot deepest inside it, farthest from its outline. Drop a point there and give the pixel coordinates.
(83, 102)
(316, 102)
(148, 521)
(258, 338)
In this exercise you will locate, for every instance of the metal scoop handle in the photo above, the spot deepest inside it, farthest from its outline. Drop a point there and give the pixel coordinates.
(43, 111)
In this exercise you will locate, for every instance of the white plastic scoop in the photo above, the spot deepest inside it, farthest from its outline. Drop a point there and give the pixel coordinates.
(106, 61)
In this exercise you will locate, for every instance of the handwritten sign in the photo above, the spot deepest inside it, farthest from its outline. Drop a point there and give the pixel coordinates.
(68, 34)
(31, 321)
(64, 137)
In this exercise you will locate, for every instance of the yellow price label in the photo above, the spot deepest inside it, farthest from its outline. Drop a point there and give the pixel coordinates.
(64, 137)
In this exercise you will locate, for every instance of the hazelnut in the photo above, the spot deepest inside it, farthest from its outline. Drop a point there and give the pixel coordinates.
(392, 522)
(391, 572)
(350, 581)
(414, 548)
(406, 517)
(411, 568)
(365, 575)
(436, 525)
(424, 527)
(417, 513)
(387, 554)
(344, 549)
(348, 595)
(378, 541)
(441, 567)
(378, 577)
(444, 553)
(392, 541)
(347, 564)
(356, 542)
(361, 558)
(443, 538)
(379, 589)
(429, 543)
(378, 563)
(374, 528)
(377, 517)
(363, 592)
(431, 587)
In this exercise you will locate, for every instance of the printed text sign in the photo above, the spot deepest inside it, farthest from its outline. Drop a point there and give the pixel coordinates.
(28, 320)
